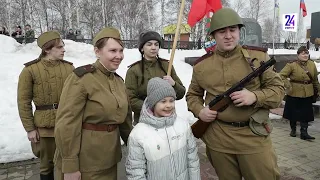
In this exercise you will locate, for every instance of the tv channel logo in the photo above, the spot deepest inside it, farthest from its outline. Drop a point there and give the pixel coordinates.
(290, 22)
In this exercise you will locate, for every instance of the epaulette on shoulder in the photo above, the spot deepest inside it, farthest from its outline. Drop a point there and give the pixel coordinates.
(66, 62)
(32, 62)
(210, 53)
(165, 60)
(133, 64)
(82, 70)
(119, 76)
(256, 48)
(292, 61)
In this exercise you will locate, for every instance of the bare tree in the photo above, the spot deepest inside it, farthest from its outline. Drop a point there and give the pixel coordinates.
(225, 3)
(44, 10)
(267, 30)
(22, 5)
(4, 13)
(108, 11)
(240, 6)
(90, 11)
(162, 5)
(59, 7)
(131, 17)
(258, 9)
(291, 36)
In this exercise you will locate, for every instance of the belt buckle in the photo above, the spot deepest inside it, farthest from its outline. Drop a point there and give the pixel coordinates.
(305, 82)
(236, 124)
(108, 128)
(55, 105)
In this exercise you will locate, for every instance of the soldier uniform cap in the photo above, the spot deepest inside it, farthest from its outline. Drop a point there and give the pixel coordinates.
(46, 37)
(108, 32)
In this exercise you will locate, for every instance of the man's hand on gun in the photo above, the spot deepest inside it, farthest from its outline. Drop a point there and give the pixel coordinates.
(207, 115)
(243, 98)
(239, 98)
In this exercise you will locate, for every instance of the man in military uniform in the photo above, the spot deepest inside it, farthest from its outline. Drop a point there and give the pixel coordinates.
(41, 82)
(29, 34)
(233, 148)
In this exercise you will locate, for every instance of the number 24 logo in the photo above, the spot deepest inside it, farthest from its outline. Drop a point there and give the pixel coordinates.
(290, 20)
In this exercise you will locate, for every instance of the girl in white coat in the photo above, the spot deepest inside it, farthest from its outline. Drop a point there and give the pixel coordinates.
(161, 146)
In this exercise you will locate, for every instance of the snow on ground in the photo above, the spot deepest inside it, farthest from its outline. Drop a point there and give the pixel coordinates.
(14, 145)
(274, 116)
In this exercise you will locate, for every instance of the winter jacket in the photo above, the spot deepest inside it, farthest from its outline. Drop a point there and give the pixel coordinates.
(71, 36)
(162, 148)
(137, 90)
(41, 82)
(4, 33)
(29, 36)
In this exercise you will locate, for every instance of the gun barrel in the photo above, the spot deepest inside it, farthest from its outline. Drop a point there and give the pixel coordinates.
(264, 66)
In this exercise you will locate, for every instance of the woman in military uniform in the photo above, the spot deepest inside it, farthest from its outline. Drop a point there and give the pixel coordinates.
(41, 82)
(94, 112)
(150, 65)
(300, 79)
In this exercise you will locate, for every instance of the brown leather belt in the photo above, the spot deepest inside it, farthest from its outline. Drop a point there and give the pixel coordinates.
(47, 107)
(301, 82)
(235, 124)
(99, 127)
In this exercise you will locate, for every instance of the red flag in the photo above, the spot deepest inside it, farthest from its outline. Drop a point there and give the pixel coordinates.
(303, 7)
(199, 8)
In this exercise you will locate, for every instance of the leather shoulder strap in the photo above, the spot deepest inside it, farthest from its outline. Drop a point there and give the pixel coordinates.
(247, 57)
(306, 71)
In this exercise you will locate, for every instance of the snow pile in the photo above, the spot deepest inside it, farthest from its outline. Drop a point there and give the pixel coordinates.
(14, 145)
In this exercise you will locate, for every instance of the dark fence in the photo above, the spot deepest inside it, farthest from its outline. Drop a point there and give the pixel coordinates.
(130, 44)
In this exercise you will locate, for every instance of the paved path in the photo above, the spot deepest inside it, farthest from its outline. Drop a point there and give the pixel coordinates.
(297, 159)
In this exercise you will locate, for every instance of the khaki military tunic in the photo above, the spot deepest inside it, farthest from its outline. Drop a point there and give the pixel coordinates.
(97, 97)
(213, 76)
(41, 82)
(237, 149)
(294, 72)
(138, 92)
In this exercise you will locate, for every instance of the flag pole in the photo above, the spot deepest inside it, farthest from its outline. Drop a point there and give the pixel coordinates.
(176, 36)
(273, 28)
(298, 29)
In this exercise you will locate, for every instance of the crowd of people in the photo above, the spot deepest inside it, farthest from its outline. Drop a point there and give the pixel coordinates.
(82, 112)
(28, 35)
